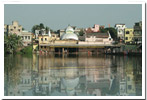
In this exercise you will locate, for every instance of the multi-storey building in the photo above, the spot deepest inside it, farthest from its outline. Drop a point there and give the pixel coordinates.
(138, 32)
(129, 35)
(120, 30)
(26, 38)
(15, 28)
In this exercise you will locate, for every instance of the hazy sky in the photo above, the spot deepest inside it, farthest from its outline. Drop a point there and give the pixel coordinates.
(58, 16)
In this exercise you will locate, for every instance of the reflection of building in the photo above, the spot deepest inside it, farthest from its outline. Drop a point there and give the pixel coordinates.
(71, 76)
(120, 30)
(129, 35)
(70, 79)
(130, 79)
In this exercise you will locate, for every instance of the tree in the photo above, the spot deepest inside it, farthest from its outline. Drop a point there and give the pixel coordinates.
(112, 31)
(102, 30)
(81, 33)
(12, 43)
(23, 29)
(41, 26)
(35, 27)
(47, 29)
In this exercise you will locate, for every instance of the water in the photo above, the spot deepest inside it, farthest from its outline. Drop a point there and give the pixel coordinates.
(72, 75)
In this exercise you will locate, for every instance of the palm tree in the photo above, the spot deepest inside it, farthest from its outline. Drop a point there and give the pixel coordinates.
(11, 43)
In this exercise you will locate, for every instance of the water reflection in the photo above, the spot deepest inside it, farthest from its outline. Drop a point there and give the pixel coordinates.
(75, 75)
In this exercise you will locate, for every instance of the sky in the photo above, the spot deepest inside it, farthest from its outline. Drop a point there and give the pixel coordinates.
(59, 16)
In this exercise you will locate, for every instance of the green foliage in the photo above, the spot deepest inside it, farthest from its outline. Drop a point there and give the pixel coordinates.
(81, 33)
(23, 29)
(39, 27)
(102, 30)
(113, 32)
(27, 50)
(42, 26)
(12, 43)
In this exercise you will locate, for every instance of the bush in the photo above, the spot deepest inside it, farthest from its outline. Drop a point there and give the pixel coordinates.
(27, 50)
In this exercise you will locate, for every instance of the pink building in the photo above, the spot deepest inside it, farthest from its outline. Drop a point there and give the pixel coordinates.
(94, 29)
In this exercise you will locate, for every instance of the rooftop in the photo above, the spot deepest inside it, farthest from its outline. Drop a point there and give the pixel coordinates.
(98, 35)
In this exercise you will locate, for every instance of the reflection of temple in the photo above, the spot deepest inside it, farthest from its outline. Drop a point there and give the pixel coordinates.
(73, 76)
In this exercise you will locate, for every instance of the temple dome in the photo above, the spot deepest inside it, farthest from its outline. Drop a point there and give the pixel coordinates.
(70, 36)
(69, 29)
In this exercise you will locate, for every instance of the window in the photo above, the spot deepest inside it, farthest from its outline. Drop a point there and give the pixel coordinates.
(127, 32)
(29, 37)
(128, 78)
(44, 46)
(14, 27)
(25, 37)
(41, 78)
(25, 81)
(22, 37)
(45, 39)
(41, 39)
(19, 30)
(126, 38)
(11, 29)
(28, 81)
(45, 78)
(129, 87)
(41, 47)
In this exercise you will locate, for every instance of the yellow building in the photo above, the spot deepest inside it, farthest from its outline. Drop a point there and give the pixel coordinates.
(129, 35)
(44, 39)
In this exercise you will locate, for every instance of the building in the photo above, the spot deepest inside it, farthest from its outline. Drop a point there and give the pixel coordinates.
(41, 32)
(97, 38)
(15, 28)
(93, 29)
(76, 30)
(69, 34)
(26, 38)
(129, 35)
(138, 32)
(44, 39)
(120, 30)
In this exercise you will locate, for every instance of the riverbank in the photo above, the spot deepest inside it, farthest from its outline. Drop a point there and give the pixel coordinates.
(109, 50)
(22, 50)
